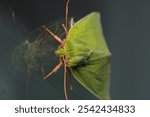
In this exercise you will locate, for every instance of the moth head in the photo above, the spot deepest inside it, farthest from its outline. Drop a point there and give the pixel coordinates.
(60, 52)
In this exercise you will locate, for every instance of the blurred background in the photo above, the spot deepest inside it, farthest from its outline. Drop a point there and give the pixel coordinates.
(126, 28)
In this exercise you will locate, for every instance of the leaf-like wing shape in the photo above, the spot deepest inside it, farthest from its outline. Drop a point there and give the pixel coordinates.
(89, 31)
(94, 73)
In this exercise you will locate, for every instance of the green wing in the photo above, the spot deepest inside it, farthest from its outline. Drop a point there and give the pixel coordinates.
(89, 31)
(88, 56)
(94, 75)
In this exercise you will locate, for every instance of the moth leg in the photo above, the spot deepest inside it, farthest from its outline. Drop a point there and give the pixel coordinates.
(54, 70)
(70, 80)
(55, 36)
(65, 78)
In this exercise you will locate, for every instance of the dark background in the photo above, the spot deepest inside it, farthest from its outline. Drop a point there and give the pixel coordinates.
(126, 28)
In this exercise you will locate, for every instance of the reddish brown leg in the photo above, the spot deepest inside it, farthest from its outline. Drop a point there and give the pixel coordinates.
(55, 36)
(65, 79)
(67, 10)
(65, 66)
(54, 70)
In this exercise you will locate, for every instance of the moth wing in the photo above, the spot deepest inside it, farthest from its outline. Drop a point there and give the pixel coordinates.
(89, 31)
(94, 74)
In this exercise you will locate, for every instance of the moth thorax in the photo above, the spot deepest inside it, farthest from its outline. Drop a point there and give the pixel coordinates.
(60, 52)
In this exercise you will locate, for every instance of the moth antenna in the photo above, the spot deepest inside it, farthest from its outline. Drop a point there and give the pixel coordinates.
(65, 78)
(67, 10)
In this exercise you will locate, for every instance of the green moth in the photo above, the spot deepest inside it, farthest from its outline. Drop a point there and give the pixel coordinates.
(85, 54)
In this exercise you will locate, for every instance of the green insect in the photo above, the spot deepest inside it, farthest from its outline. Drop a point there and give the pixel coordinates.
(85, 54)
